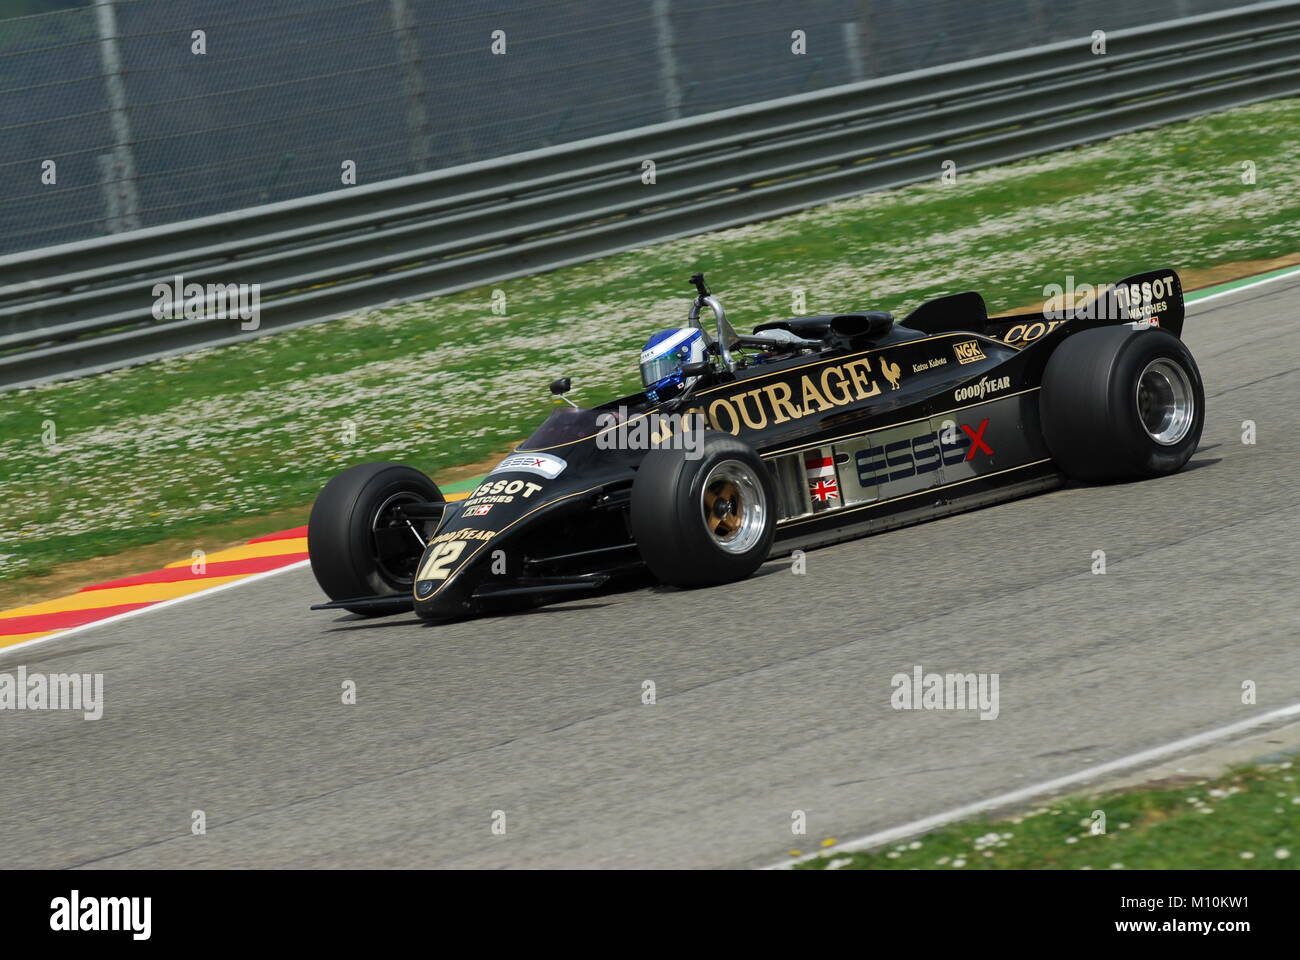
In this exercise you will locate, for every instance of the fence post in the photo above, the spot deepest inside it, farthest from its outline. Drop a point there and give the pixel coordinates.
(121, 202)
(667, 59)
(417, 115)
(852, 35)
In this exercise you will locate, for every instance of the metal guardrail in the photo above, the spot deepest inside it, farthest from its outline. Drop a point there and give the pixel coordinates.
(85, 307)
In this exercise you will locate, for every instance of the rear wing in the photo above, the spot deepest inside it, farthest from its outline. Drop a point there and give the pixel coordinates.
(1152, 299)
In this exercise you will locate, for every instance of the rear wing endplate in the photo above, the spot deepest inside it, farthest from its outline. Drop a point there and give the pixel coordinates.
(1151, 299)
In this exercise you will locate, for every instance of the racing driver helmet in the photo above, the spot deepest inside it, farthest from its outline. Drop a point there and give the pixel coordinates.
(662, 358)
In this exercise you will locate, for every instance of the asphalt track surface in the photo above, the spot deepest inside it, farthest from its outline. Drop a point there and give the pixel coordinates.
(773, 694)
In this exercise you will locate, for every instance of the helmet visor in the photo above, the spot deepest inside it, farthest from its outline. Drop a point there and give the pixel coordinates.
(652, 371)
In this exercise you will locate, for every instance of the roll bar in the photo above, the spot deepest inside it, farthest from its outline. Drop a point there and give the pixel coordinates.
(726, 338)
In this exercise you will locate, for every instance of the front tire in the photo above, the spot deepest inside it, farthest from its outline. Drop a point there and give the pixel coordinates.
(358, 548)
(705, 521)
(1121, 404)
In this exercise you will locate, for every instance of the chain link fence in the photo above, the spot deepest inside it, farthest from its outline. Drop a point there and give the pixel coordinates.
(120, 114)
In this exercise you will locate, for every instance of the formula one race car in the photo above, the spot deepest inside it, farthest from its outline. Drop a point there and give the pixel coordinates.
(806, 432)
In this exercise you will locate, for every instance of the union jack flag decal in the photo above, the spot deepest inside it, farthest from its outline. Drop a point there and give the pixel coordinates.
(825, 490)
(823, 487)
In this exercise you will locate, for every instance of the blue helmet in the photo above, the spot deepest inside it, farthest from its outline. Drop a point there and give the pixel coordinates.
(662, 358)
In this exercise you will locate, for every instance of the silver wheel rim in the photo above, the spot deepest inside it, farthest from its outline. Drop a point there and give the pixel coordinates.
(1165, 402)
(732, 507)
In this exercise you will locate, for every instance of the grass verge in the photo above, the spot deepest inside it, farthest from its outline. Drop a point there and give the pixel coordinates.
(172, 449)
(1247, 819)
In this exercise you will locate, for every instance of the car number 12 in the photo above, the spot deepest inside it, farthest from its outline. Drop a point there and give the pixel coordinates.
(437, 566)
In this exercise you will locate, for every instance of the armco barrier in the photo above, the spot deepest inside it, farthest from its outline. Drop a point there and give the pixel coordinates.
(85, 307)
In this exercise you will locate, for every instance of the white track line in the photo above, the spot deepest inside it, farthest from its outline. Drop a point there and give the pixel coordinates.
(1246, 286)
(117, 617)
(1141, 758)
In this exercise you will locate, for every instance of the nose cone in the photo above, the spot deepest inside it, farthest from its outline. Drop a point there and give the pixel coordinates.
(466, 544)
(483, 537)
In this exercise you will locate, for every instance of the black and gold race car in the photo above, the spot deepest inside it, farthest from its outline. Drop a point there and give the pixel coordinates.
(808, 431)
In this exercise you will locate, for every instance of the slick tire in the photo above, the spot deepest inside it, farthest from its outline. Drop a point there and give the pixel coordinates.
(357, 548)
(1121, 404)
(705, 521)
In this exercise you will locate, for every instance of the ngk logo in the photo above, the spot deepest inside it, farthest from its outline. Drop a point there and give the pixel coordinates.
(968, 351)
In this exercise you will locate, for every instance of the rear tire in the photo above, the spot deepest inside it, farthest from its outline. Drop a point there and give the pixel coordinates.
(705, 521)
(1121, 404)
(357, 548)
